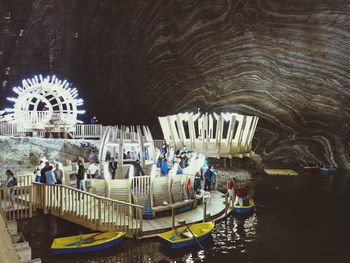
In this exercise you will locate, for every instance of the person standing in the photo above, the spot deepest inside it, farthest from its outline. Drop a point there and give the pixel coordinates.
(50, 176)
(93, 120)
(80, 176)
(43, 171)
(11, 181)
(112, 167)
(135, 169)
(92, 171)
(207, 179)
(230, 187)
(58, 174)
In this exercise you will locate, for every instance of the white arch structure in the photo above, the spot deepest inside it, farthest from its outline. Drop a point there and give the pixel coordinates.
(45, 104)
(116, 139)
(214, 135)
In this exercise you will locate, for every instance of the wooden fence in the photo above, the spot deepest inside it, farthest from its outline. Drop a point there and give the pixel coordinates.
(141, 186)
(17, 202)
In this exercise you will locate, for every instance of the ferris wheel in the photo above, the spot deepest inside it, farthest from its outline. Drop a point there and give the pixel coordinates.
(45, 104)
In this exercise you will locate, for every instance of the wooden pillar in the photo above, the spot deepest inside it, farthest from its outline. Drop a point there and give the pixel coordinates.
(53, 225)
(173, 217)
(226, 204)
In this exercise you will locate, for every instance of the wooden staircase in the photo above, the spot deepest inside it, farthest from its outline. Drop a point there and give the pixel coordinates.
(89, 210)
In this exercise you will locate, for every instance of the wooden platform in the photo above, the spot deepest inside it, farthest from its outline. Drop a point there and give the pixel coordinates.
(215, 211)
(280, 172)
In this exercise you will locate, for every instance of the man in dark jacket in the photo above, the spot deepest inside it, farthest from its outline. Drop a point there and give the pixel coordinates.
(112, 167)
(135, 169)
(43, 171)
(207, 179)
(80, 176)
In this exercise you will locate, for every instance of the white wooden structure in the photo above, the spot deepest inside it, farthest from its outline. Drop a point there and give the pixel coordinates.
(134, 138)
(44, 104)
(214, 135)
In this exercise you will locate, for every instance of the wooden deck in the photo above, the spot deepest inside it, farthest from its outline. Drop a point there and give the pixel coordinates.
(215, 210)
(280, 172)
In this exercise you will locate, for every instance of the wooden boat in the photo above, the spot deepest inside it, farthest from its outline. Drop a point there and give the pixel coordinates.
(311, 168)
(181, 237)
(86, 243)
(243, 210)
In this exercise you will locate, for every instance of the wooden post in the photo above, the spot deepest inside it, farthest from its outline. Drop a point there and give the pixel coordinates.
(226, 204)
(53, 225)
(173, 217)
(30, 201)
(205, 212)
(141, 220)
(99, 212)
(61, 200)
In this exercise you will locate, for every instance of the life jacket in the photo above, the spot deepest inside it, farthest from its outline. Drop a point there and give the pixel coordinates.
(230, 184)
(188, 184)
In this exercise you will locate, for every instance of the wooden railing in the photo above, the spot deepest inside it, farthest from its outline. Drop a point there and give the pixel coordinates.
(10, 129)
(7, 250)
(89, 210)
(17, 202)
(85, 131)
(23, 180)
(141, 186)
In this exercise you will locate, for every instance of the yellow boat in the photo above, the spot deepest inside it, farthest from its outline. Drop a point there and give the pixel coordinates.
(86, 243)
(181, 237)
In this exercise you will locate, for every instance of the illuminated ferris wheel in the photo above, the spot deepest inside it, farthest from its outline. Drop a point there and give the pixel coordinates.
(45, 104)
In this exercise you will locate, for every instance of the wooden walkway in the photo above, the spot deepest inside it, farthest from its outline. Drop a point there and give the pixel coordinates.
(215, 209)
(280, 172)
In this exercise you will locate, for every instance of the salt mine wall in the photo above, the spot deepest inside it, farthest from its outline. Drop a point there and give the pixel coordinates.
(286, 62)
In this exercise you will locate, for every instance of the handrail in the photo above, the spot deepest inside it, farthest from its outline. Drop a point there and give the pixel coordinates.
(87, 209)
(90, 194)
(18, 201)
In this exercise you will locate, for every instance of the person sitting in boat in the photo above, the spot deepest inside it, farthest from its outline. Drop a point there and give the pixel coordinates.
(240, 193)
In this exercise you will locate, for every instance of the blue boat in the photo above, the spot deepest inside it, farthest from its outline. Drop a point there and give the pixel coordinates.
(244, 209)
(328, 170)
(181, 237)
(86, 243)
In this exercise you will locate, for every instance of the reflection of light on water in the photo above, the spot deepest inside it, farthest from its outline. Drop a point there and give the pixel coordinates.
(201, 254)
(189, 259)
(250, 226)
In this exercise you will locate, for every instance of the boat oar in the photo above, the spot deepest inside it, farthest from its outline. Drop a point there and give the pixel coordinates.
(200, 245)
(82, 240)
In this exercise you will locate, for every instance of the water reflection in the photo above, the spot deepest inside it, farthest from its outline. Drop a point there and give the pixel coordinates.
(297, 219)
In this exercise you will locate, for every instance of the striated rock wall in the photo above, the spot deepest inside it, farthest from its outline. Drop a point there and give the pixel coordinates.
(25, 153)
(284, 61)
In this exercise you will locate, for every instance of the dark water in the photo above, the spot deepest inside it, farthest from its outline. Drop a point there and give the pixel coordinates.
(297, 219)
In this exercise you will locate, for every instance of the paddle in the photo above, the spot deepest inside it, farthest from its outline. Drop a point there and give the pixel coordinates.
(84, 240)
(200, 245)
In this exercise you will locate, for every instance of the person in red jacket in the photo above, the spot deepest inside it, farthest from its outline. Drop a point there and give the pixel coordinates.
(240, 192)
(230, 190)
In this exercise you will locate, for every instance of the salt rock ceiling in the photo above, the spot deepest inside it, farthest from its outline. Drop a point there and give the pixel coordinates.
(284, 61)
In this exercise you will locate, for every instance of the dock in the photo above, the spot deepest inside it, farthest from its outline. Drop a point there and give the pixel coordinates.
(288, 172)
(214, 211)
